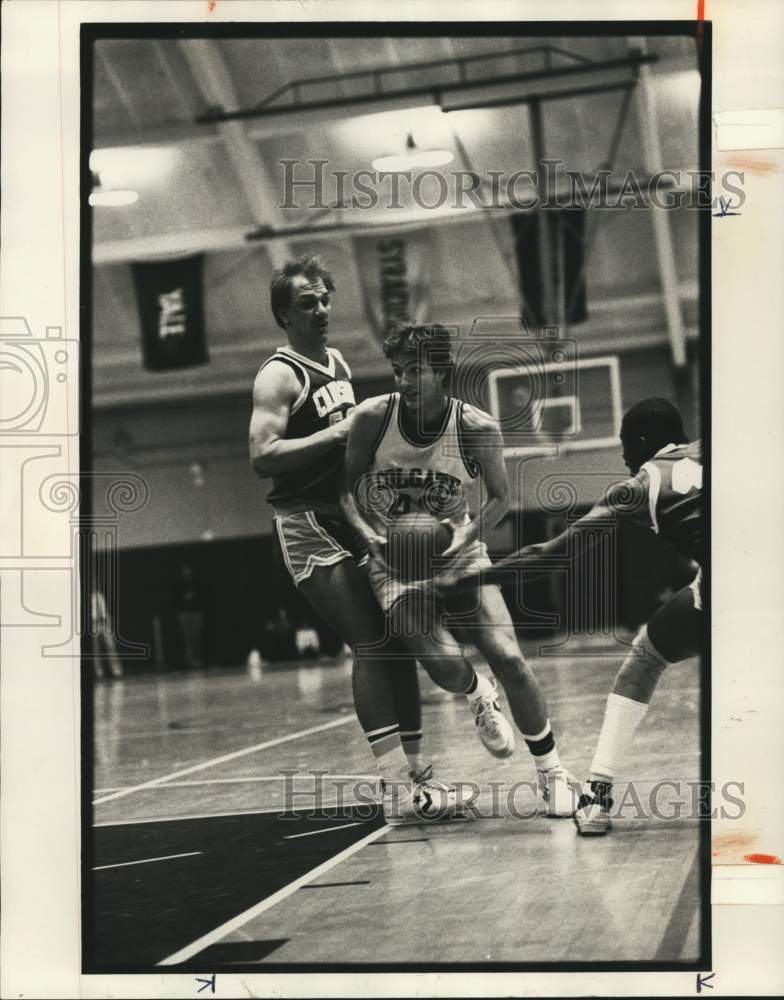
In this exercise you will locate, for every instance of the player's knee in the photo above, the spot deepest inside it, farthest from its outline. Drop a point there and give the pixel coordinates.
(443, 668)
(410, 616)
(645, 654)
(510, 666)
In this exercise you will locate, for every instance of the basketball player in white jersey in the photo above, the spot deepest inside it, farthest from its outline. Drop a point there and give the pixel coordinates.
(302, 408)
(421, 450)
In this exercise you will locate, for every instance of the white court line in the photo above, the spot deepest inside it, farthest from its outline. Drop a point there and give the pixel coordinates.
(146, 861)
(239, 781)
(337, 804)
(266, 904)
(327, 829)
(227, 756)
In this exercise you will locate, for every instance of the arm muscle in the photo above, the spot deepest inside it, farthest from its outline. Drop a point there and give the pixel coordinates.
(274, 392)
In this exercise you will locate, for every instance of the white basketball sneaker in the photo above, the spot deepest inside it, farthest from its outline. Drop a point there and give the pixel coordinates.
(493, 729)
(558, 788)
(423, 800)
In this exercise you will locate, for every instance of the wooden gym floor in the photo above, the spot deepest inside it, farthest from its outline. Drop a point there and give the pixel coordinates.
(195, 865)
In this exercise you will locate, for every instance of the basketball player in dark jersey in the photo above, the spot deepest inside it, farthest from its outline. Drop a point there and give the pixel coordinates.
(302, 409)
(663, 495)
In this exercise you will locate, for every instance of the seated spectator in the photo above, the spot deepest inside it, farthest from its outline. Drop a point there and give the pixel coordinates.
(307, 641)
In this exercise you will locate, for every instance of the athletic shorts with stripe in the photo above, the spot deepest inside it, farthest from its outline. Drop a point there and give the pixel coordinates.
(696, 588)
(307, 539)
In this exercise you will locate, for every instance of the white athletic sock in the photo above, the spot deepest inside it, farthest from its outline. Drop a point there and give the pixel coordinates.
(622, 716)
(482, 689)
(391, 759)
(412, 745)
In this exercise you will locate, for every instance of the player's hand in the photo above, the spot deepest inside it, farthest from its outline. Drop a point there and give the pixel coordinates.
(341, 428)
(442, 583)
(462, 537)
(377, 546)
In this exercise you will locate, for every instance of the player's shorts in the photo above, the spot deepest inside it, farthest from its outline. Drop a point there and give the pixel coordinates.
(389, 589)
(306, 540)
(696, 588)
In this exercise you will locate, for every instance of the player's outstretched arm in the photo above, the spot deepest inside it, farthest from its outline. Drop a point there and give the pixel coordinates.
(275, 390)
(355, 496)
(624, 500)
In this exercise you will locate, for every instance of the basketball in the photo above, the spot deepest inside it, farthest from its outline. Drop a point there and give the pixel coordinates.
(412, 542)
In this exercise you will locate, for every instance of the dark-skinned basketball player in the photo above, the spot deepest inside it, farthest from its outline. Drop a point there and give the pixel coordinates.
(421, 450)
(664, 495)
(302, 409)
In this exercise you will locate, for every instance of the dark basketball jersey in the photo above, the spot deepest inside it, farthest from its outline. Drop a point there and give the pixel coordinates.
(672, 482)
(326, 397)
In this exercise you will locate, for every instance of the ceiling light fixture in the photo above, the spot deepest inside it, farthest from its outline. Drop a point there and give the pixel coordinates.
(413, 158)
(135, 166)
(110, 197)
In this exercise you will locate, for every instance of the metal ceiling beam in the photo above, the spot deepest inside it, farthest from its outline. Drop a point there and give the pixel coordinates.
(167, 134)
(553, 95)
(165, 244)
(265, 128)
(214, 81)
(238, 237)
(336, 58)
(665, 245)
(183, 91)
(122, 93)
(174, 132)
(549, 266)
(426, 93)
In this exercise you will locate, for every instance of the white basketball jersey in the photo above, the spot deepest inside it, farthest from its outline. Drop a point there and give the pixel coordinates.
(408, 477)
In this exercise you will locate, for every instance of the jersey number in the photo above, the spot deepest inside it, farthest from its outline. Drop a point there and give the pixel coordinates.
(686, 475)
(402, 504)
(337, 415)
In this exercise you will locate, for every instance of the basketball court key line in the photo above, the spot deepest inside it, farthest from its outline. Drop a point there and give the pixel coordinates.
(245, 780)
(337, 804)
(212, 937)
(327, 829)
(147, 861)
(342, 721)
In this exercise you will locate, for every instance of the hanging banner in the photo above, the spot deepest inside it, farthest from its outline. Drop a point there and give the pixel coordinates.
(171, 310)
(395, 276)
(566, 231)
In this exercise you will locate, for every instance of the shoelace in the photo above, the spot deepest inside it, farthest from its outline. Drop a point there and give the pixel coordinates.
(589, 800)
(559, 769)
(425, 777)
(484, 714)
